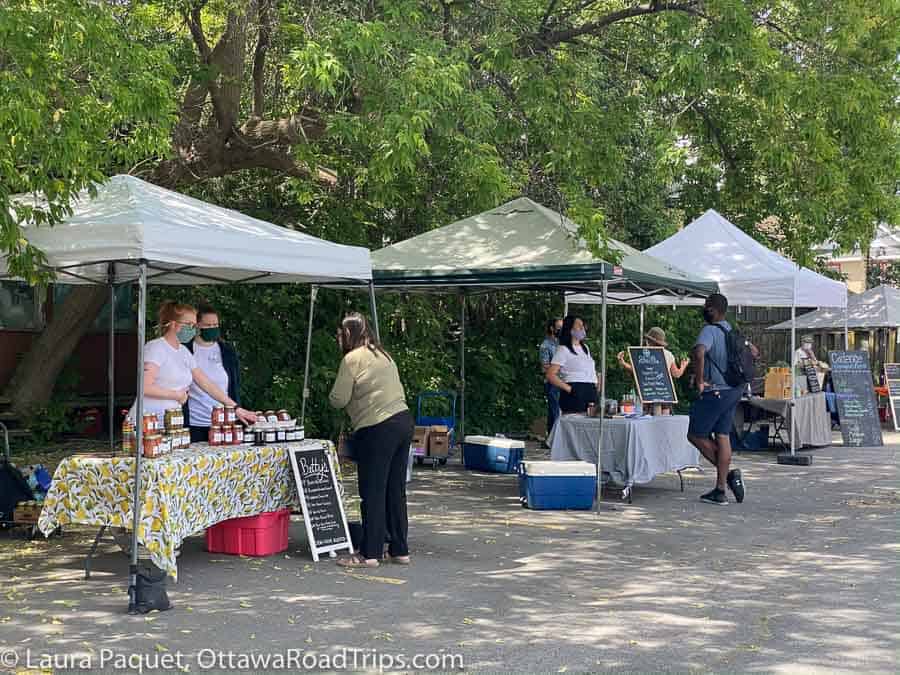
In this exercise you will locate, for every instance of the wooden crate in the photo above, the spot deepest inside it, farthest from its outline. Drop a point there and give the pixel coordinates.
(27, 513)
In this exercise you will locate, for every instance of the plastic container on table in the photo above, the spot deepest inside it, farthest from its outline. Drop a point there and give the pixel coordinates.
(261, 535)
(492, 453)
(557, 485)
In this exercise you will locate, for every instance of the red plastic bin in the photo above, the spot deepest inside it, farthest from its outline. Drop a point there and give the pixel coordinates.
(265, 534)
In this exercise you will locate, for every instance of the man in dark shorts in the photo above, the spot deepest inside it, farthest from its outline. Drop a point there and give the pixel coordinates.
(712, 415)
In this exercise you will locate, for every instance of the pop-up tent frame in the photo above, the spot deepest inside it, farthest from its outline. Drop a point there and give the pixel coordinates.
(748, 274)
(135, 232)
(522, 245)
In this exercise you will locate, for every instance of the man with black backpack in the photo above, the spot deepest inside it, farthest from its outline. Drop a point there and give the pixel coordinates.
(723, 365)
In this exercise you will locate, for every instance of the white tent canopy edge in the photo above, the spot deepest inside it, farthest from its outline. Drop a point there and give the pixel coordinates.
(132, 231)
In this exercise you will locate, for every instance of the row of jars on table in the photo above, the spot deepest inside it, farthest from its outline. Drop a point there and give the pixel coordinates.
(160, 437)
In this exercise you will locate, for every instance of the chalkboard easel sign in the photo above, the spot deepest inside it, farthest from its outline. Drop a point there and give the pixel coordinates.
(320, 499)
(855, 394)
(652, 376)
(892, 380)
(812, 378)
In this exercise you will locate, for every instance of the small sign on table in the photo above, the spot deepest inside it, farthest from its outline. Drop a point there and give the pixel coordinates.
(652, 376)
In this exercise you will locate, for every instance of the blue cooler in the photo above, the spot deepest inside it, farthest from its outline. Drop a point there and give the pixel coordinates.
(557, 485)
(494, 454)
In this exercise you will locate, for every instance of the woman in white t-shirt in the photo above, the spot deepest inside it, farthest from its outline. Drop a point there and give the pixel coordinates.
(572, 369)
(170, 369)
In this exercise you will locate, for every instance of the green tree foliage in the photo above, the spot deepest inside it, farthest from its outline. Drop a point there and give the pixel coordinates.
(79, 97)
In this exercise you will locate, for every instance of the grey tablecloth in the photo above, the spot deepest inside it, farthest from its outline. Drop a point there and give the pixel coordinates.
(812, 419)
(634, 450)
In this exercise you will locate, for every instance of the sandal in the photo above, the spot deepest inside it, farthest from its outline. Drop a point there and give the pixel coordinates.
(397, 559)
(357, 561)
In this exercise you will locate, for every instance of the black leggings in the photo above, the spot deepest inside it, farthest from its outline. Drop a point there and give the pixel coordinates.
(382, 456)
(199, 434)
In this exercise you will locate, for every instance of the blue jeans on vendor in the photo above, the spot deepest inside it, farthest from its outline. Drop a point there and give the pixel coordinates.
(552, 394)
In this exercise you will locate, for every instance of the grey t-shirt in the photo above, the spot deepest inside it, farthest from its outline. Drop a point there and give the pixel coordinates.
(713, 339)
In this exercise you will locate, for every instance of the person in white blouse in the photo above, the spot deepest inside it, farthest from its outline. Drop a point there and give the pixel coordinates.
(170, 369)
(572, 369)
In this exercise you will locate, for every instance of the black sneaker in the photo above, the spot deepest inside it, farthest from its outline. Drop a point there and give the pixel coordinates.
(715, 496)
(736, 484)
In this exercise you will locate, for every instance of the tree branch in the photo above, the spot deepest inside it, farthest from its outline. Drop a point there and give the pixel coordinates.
(259, 56)
(550, 7)
(286, 131)
(543, 42)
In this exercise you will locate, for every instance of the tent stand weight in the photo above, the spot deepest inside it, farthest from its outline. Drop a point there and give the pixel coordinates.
(794, 460)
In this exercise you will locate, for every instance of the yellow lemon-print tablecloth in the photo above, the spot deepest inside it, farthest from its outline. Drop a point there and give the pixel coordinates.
(182, 493)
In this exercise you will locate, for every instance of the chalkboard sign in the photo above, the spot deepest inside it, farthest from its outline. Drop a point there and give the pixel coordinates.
(651, 373)
(892, 380)
(812, 379)
(323, 510)
(855, 394)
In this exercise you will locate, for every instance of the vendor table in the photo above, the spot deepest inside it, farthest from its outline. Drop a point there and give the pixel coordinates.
(183, 493)
(635, 450)
(813, 422)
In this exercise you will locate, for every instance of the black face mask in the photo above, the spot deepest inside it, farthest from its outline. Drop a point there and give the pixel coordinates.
(708, 315)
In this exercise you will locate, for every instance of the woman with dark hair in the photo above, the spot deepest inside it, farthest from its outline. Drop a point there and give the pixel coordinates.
(219, 360)
(368, 387)
(572, 369)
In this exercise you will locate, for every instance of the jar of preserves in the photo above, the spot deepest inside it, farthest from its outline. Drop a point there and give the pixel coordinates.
(218, 416)
(280, 435)
(215, 435)
(270, 436)
(149, 423)
(283, 416)
(230, 414)
(239, 434)
(151, 445)
(129, 437)
(228, 435)
(271, 417)
(185, 439)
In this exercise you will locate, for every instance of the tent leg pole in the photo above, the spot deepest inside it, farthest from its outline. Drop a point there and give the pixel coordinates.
(139, 437)
(313, 292)
(641, 336)
(602, 395)
(374, 309)
(462, 369)
(793, 376)
(112, 356)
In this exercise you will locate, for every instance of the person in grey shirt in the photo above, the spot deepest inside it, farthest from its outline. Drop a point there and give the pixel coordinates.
(547, 350)
(712, 415)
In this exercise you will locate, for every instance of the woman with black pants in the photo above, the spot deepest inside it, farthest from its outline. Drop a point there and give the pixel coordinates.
(368, 387)
(572, 369)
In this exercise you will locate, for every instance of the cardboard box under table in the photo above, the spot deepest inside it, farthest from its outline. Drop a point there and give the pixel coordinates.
(493, 454)
(557, 485)
(439, 441)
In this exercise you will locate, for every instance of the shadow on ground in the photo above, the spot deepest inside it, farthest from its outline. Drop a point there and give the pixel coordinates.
(801, 577)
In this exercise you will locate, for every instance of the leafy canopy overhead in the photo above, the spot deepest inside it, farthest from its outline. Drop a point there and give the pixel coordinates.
(78, 98)
(380, 119)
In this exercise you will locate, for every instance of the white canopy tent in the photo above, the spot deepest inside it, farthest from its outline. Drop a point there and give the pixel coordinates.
(132, 231)
(748, 273)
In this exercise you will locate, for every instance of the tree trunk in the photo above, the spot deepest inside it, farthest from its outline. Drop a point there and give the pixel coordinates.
(33, 382)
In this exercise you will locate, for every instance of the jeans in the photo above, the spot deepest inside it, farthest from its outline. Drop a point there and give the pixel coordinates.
(552, 394)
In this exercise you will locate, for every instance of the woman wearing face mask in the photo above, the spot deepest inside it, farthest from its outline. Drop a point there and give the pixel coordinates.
(572, 369)
(170, 369)
(219, 361)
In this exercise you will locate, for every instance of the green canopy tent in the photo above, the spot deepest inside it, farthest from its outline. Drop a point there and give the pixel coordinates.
(522, 245)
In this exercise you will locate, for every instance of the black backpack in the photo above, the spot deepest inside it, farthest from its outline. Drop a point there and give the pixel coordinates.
(13, 489)
(740, 369)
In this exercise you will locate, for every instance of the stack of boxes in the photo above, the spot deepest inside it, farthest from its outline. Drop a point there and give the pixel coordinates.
(433, 441)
